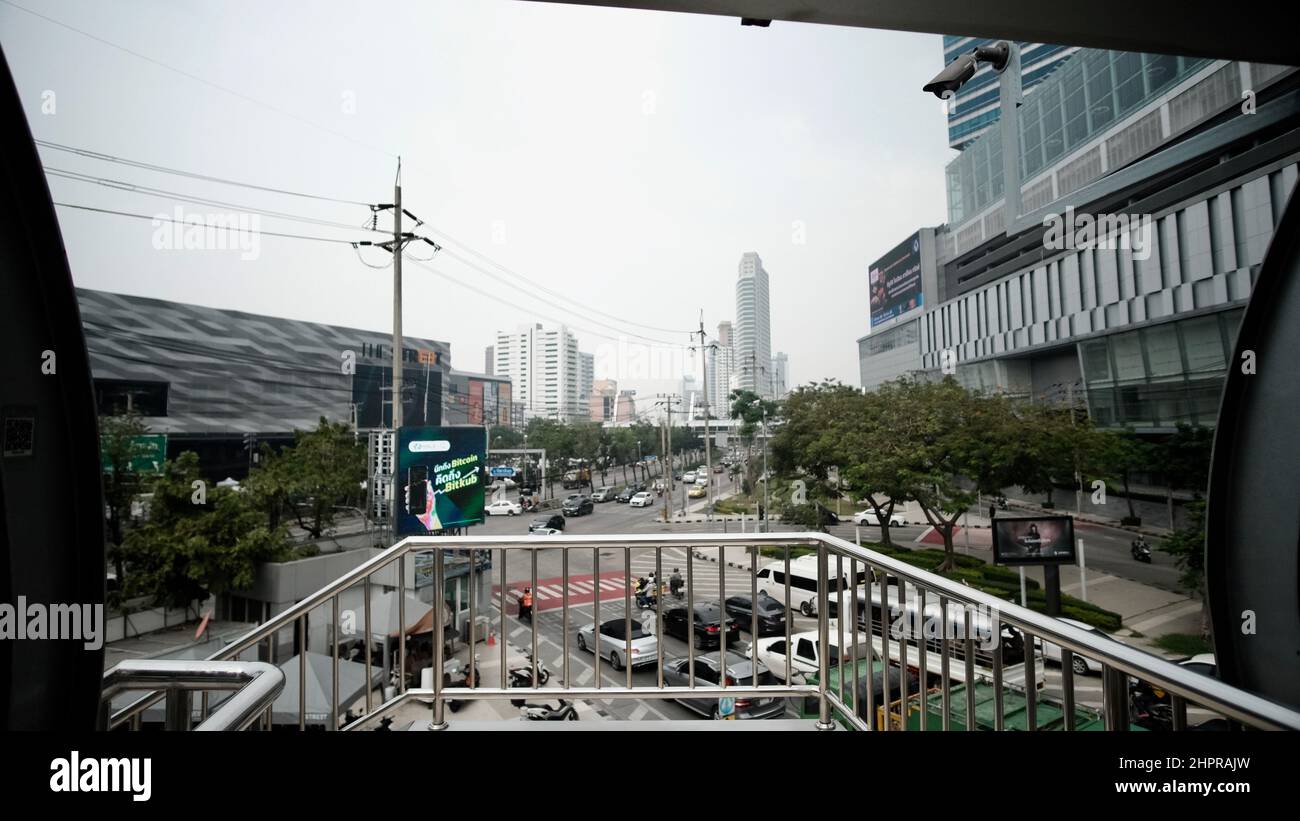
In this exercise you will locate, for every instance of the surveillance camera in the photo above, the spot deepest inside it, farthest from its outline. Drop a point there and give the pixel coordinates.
(959, 71)
(953, 76)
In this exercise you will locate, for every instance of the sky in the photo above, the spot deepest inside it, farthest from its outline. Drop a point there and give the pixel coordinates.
(617, 163)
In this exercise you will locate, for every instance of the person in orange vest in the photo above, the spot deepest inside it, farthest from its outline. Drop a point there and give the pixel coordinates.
(526, 604)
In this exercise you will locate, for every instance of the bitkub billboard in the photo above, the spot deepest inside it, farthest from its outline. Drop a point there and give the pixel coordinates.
(442, 476)
(894, 281)
(1038, 540)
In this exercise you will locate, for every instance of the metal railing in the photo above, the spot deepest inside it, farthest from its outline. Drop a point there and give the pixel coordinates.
(257, 685)
(837, 694)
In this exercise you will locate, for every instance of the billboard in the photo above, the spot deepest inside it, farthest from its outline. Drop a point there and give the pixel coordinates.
(1036, 540)
(440, 471)
(894, 281)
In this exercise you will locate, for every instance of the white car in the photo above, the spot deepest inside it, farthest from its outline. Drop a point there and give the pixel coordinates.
(1082, 664)
(773, 655)
(869, 517)
(642, 499)
(505, 507)
(689, 479)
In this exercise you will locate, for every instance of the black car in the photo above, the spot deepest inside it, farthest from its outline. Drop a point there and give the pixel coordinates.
(554, 521)
(625, 495)
(771, 614)
(578, 506)
(707, 621)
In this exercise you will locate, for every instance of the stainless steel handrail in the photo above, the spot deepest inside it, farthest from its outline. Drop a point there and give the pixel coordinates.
(258, 685)
(1119, 660)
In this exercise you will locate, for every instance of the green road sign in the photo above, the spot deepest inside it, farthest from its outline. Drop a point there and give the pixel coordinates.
(148, 454)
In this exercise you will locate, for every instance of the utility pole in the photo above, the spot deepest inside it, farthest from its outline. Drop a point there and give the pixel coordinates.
(667, 400)
(708, 445)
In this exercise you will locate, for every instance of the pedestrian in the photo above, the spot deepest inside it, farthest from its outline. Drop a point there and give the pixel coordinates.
(993, 510)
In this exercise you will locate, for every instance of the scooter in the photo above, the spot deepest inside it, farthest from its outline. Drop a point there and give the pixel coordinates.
(523, 676)
(1141, 551)
(542, 712)
(456, 673)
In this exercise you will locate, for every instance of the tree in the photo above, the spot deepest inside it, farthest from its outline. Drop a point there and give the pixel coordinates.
(1125, 453)
(1187, 546)
(119, 446)
(324, 469)
(873, 454)
(752, 411)
(198, 541)
(1184, 459)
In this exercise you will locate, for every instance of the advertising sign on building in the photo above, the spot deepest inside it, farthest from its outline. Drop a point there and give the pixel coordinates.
(441, 471)
(894, 281)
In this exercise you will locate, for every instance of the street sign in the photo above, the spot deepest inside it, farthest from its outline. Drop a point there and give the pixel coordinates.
(502, 471)
(727, 708)
(148, 453)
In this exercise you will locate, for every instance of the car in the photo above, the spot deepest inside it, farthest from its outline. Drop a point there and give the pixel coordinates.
(739, 671)
(504, 507)
(702, 479)
(642, 499)
(707, 621)
(869, 517)
(577, 506)
(626, 494)
(697, 492)
(613, 643)
(803, 584)
(604, 494)
(717, 468)
(771, 613)
(772, 653)
(1081, 664)
(553, 521)
(689, 478)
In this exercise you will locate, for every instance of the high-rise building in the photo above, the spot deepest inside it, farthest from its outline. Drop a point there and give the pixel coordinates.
(753, 347)
(601, 403)
(975, 106)
(545, 367)
(692, 393)
(722, 372)
(780, 375)
(586, 376)
(489, 360)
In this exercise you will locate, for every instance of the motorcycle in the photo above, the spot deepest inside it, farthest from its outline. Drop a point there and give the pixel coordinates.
(456, 673)
(1141, 551)
(1149, 707)
(1002, 503)
(523, 676)
(542, 712)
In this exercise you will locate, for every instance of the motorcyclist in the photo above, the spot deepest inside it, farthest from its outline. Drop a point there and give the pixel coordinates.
(526, 605)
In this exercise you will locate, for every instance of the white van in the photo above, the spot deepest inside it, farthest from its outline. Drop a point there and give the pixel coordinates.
(803, 583)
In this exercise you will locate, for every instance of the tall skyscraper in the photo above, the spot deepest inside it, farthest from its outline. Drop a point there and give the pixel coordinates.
(780, 375)
(546, 368)
(753, 348)
(722, 372)
(975, 107)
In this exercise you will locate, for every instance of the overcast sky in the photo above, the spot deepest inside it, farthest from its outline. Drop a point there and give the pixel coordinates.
(622, 159)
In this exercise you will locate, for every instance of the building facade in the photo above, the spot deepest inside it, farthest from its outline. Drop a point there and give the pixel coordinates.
(477, 399)
(586, 376)
(208, 378)
(780, 375)
(975, 106)
(601, 404)
(753, 347)
(722, 371)
(1128, 299)
(545, 369)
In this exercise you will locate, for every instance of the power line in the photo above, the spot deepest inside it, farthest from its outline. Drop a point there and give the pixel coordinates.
(98, 155)
(122, 185)
(198, 79)
(560, 307)
(541, 287)
(205, 227)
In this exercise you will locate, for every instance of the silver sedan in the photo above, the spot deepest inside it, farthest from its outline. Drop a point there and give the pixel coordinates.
(614, 644)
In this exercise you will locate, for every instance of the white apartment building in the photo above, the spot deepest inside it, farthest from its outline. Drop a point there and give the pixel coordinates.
(722, 371)
(546, 368)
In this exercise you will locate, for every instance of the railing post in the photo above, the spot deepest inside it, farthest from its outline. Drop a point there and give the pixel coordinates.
(823, 640)
(179, 704)
(439, 720)
(1114, 690)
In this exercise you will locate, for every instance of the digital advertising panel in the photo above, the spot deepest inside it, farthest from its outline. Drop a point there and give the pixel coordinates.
(1036, 540)
(441, 470)
(894, 281)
